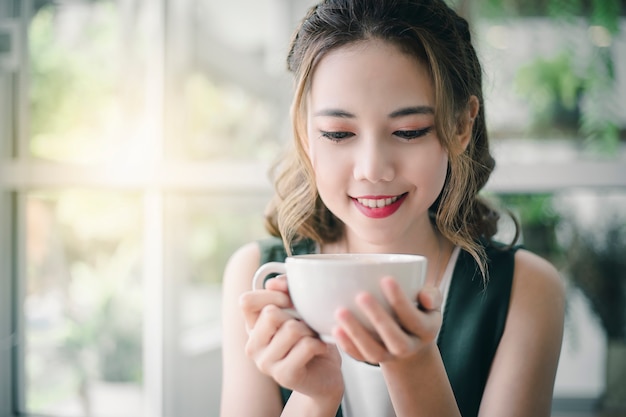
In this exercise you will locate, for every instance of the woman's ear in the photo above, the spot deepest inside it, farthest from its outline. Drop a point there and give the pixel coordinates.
(466, 122)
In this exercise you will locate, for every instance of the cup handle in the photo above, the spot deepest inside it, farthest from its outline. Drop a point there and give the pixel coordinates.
(258, 281)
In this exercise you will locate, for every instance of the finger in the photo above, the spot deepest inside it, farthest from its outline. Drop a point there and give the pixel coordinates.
(430, 298)
(278, 283)
(283, 341)
(395, 338)
(413, 321)
(269, 321)
(252, 302)
(396, 297)
(370, 349)
(345, 343)
(290, 370)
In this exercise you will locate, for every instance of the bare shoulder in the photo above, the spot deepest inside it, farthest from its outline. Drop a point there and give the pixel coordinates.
(241, 265)
(522, 376)
(537, 295)
(250, 249)
(236, 281)
(536, 277)
(261, 394)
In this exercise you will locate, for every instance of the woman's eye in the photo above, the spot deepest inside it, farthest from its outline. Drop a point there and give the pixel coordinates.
(412, 134)
(337, 136)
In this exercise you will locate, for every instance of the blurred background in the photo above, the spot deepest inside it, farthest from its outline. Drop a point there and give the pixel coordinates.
(135, 138)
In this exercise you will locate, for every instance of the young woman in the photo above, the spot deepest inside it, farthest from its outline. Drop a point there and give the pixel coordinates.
(390, 152)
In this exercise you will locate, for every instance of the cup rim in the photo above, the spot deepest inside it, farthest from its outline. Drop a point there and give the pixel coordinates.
(358, 258)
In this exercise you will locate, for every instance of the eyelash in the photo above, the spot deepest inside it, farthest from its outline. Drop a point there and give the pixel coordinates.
(413, 134)
(402, 134)
(336, 136)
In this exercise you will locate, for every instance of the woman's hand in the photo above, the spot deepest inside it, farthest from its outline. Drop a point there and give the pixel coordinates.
(400, 335)
(285, 348)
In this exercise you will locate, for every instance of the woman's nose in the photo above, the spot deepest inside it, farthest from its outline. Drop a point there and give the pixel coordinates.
(374, 161)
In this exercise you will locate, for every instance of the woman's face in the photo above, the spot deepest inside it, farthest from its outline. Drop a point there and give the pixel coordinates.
(372, 143)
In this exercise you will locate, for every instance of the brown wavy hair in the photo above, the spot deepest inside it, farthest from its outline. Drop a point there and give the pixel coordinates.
(433, 33)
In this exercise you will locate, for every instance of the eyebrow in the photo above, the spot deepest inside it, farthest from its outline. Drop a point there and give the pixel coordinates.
(405, 111)
(408, 111)
(335, 113)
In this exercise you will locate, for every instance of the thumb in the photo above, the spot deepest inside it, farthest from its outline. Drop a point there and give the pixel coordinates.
(278, 283)
(430, 298)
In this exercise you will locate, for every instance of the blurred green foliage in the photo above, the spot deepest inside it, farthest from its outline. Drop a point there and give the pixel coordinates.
(538, 221)
(597, 265)
(74, 86)
(571, 95)
(553, 89)
(84, 256)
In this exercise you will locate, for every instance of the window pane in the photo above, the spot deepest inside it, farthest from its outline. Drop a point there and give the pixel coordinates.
(201, 234)
(88, 76)
(83, 304)
(230, 90)
(551, 74)
(219, 120)
(8, 337)
(6, 114)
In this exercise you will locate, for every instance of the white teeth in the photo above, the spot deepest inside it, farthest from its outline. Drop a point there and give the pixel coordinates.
(377, 203)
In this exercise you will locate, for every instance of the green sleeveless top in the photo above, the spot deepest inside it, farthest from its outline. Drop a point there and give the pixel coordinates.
(473, 320)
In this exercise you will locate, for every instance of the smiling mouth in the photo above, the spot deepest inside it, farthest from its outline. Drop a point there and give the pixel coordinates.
(379, 207)
(378, 202)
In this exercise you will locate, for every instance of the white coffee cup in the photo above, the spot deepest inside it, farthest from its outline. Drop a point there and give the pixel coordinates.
(321, 283)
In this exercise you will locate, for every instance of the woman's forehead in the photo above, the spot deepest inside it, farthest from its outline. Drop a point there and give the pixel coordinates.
(370, 71)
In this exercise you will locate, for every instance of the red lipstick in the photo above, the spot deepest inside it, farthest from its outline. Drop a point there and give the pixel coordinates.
(365, 203)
